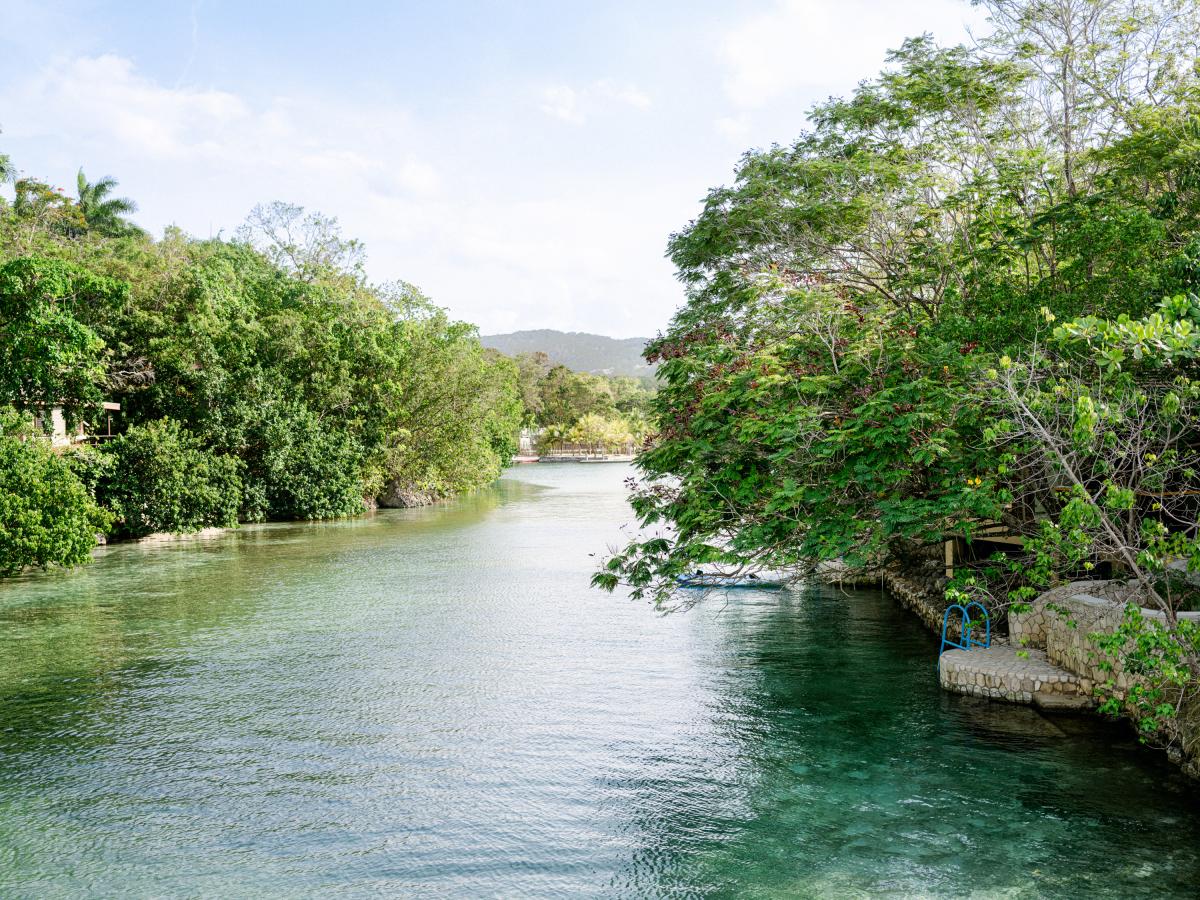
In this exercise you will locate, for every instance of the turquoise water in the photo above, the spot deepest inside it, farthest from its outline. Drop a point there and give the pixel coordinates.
(434, 703)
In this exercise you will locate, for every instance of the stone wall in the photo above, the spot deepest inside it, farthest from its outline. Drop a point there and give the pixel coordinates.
(1032, 627)
(1061, 623)
(918, 584)
(1061, 619)
(918, 595)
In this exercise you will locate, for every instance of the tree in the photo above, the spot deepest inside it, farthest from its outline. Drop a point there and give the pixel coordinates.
(532, 369)
(631, 396)
(102, 212)
(566, 396)
(8, 173)
(458, 415)
(591, 431)
(301, 468)
(846, 292)
(1097, 442)
(258, 378)
(41, 210)
(48, 357)
(307, 245)
(597, 433)
(47, 517)
(551, 438)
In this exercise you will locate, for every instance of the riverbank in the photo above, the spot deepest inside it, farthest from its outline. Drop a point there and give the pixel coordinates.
(1066, 666)
(393, 497)
(166, 537)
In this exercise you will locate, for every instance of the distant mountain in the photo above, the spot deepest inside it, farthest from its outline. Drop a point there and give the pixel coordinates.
(578, 350)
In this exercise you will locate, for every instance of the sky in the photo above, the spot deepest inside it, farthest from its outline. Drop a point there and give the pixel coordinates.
(524, 163)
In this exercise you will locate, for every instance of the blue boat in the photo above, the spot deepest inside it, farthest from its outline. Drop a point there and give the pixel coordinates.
(717, 580)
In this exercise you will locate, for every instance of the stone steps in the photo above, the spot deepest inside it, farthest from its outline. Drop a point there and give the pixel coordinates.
(999, 673)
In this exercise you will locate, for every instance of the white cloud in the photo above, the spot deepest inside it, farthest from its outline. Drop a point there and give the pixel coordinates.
(623, 92)
(110, 106)
(506, 248)
(815, 44)
(542, 262)
(575, 105)
(105, 99)
(736, 128)
(490, 198)
(562, 102)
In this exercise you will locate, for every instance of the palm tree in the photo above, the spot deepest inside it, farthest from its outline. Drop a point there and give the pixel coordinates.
(552, 436)
(102, 212)
(6, 174)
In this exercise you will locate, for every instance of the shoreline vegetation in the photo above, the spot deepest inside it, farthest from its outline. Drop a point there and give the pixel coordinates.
(961, 310)
(258, 378)
(180, 384)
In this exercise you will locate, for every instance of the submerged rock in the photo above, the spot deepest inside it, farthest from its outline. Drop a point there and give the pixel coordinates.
(401, 495)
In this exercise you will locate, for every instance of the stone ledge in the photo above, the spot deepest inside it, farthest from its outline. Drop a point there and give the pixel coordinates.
(999, 673)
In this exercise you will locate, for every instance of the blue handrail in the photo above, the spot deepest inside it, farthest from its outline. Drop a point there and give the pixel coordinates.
(967, 641)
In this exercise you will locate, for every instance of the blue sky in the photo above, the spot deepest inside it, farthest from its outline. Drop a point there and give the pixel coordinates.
(522, 162)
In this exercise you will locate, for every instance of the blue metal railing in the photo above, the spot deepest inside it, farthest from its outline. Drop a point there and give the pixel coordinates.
(966, 639)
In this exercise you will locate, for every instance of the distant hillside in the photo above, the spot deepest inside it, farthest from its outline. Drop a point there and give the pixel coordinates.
(578, 350)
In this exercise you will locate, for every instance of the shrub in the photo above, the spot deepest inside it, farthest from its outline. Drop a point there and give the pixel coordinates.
(299, 467)
(47, 516)
(161, 479)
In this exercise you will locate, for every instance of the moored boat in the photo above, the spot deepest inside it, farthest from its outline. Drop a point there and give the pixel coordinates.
(718, 580)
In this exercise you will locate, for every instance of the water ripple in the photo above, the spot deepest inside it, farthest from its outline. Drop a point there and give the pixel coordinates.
(433, 703)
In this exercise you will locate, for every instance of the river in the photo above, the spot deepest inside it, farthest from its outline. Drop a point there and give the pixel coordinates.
(434, 703)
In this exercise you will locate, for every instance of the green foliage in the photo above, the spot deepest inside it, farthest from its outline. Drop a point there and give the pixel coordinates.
(1161, 660)
(824, 392)
(160, 479)
(597, 432)
(300, 468)
(1102, 458)
(532, 369)
(556, 397)
(48, 357)
(812, 443)
(459, 408)
(565, 396)
(47, 516)
(292, 386)
(1171, 335)
(38, 208)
